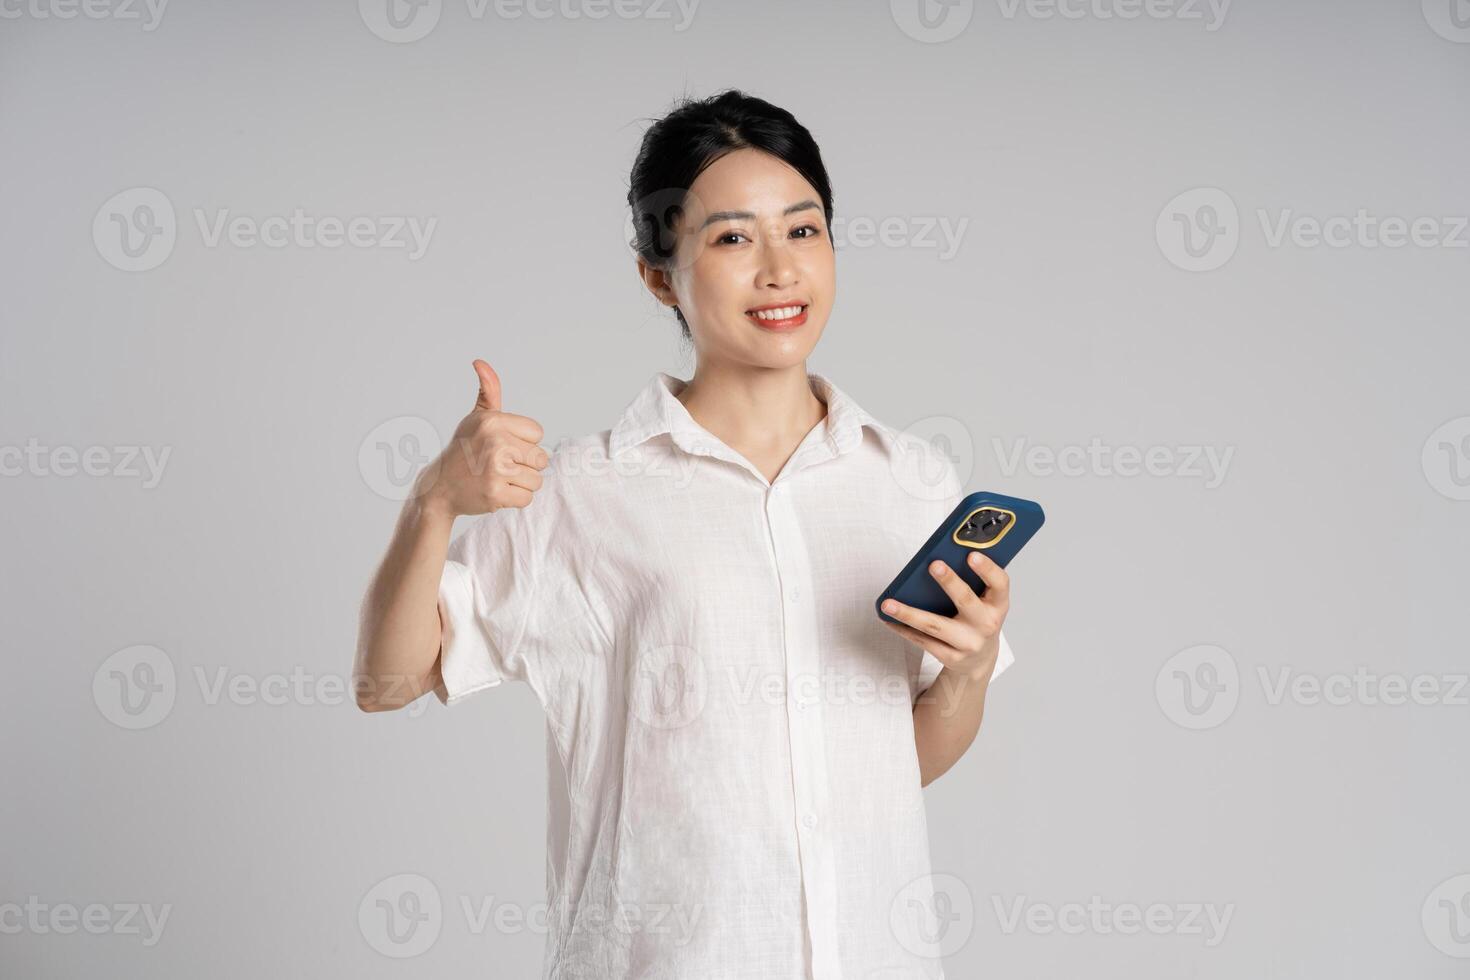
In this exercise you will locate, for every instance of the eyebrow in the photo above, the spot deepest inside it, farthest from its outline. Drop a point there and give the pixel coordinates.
(806, 205)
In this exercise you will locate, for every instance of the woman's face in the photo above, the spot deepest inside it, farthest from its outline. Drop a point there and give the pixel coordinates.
(753, 235)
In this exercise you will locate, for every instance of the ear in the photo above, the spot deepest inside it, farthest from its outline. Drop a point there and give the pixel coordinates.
(657, 282)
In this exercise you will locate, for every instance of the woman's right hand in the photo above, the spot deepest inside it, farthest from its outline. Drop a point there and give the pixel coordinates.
(492, 460)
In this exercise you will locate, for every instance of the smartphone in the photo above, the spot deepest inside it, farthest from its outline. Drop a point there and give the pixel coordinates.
(989, 522)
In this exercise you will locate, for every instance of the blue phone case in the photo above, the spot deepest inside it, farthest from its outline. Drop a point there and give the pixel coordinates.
(915, 587)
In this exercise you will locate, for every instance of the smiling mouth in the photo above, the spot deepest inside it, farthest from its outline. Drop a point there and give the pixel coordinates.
(779, 318)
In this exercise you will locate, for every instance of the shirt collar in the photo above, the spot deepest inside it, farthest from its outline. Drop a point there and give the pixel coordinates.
(655, 410)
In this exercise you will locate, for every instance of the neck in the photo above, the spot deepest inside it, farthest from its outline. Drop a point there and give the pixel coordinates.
(753, 407)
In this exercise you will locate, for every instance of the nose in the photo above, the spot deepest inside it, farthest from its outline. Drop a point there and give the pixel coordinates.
(777, 263)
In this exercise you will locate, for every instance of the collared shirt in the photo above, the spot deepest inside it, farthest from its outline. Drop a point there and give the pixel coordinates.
(739, 791)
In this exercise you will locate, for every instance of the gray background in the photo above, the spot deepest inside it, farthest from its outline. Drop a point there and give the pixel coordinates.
(1335, 542)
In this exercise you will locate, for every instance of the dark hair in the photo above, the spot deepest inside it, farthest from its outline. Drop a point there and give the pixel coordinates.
(694, 134)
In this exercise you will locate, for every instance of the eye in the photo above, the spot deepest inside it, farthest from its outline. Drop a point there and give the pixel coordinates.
(812, 231)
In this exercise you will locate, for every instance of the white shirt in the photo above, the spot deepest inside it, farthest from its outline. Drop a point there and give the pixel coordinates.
(739, 794)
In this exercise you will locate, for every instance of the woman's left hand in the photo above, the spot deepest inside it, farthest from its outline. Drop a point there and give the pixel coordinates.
(969, 641)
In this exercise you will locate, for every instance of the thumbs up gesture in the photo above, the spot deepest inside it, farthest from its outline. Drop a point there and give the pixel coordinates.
(492, 461)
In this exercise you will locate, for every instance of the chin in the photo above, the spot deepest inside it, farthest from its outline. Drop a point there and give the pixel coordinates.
(780, 350)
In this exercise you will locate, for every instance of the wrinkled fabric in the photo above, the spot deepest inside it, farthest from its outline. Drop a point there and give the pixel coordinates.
(735, 787)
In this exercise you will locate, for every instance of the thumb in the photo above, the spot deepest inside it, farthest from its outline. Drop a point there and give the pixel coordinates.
(489, 397)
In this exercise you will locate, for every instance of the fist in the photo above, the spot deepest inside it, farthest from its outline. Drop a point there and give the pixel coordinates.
(492, 460)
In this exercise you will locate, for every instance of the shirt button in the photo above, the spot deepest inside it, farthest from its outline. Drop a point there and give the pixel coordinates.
(795, 593)
(809, 820)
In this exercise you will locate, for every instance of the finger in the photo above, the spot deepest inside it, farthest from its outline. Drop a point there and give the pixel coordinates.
(499, 456)
(939, 627)
(997, 581)
(517, 450)
(523, 427)
(942, 652)
(515, 497)
(535, 456)
(489, 395)
(524, 476)
(964, 598)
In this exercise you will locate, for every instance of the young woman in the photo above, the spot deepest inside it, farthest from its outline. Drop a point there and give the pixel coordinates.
(741, 740)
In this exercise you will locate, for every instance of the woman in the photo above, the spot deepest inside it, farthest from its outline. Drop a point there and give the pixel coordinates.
(689, 593)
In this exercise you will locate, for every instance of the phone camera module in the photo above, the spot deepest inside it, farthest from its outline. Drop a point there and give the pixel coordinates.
(985, 527)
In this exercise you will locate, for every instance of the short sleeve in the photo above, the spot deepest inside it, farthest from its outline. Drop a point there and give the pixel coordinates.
(486, 592)
(930, 667)
(511, 602)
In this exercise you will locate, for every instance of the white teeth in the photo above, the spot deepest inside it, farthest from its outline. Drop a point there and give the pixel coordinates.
(784, 313)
